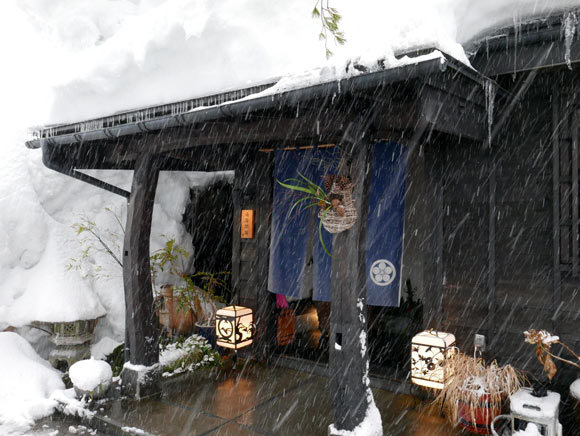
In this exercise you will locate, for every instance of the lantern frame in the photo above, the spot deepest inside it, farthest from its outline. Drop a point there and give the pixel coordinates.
(234, 327)
(431, 351)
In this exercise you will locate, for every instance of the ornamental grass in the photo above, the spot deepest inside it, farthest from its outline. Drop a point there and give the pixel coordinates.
(476, 383)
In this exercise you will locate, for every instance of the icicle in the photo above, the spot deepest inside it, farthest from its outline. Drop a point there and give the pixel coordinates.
(568, 31)
(490, 92)
(517, 32)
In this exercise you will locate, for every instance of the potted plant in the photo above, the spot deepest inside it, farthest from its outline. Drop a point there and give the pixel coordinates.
(173, 315)
(475, 395)
(192, 298)
(201, 296)
(337, 211)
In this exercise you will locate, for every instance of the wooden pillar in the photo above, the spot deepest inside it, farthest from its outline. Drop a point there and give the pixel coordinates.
(141, 346)
(434, 208)
(556, 275)
(348, 363)
(250, 257)
(491, 258)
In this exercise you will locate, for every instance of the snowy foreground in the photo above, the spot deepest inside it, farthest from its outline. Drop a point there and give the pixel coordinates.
(31, 388)
(72, 60)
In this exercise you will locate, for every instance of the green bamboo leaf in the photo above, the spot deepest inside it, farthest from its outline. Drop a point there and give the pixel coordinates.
(296, 203)
(295, 188)
(315, 12)
(313, 185)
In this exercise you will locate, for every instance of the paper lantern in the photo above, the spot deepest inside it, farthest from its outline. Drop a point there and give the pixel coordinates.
(234, 327)
(430, 352)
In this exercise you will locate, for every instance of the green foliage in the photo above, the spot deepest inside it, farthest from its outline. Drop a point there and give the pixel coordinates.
(330, 24)
(183, 354)
(94, 239)
(313, 195)
(186, 355)
(117, 359)
(197, 291)
(171, 257)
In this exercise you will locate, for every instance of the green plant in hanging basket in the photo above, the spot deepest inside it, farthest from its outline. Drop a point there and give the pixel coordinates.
(313, 196)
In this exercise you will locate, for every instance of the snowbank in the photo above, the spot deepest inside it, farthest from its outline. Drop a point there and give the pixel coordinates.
(27, 383)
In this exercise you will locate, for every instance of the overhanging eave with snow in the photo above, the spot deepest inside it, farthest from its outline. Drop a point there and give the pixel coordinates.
(437, 93)
(540, 43)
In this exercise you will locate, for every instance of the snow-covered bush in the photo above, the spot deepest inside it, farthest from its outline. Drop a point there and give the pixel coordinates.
(187, 355)
(91, 377)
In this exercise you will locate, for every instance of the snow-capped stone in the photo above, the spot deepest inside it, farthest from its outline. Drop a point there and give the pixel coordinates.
(92, 377)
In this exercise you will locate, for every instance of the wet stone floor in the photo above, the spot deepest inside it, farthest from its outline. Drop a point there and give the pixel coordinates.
(254, 400)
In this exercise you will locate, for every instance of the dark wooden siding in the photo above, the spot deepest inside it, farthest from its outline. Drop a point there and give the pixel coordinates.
(523, 294)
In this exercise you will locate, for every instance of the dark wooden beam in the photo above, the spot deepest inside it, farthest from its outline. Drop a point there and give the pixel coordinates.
(451, 114)
(348, 355)
(528, 57)
(574, 171)
(140, 323)
(491, 258)
(556, 274)
(326, 123)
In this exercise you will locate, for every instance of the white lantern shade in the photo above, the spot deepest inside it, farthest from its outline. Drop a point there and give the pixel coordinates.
(430, 352)
(234, 327)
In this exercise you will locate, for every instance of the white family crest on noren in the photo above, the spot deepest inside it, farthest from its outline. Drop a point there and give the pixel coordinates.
(382, 272)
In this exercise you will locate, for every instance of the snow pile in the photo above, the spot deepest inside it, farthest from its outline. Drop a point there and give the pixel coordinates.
(372, 424)
(111, 56)
(525, 404)
(531, 430)
(90, 375)
(68, 404)
(187, 356)
(27, 383)
(134, 430)
(103, 348)
(575, 389)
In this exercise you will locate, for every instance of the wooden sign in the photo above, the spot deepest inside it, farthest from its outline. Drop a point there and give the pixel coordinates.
(247, 231)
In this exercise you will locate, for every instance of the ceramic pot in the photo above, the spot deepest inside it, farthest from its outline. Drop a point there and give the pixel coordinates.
(171, 316)
(207, 332)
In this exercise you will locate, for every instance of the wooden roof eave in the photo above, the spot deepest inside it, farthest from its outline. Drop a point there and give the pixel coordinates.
(241, 108)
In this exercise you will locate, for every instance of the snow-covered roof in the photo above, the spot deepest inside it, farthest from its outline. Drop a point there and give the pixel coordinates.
(288, 90)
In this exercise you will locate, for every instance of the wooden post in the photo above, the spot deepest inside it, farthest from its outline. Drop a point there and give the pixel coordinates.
(141, 346)
(348, 363)
(556, 274)
(491, 257)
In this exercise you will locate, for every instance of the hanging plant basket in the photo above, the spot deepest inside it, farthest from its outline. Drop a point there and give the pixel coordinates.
(343, 214)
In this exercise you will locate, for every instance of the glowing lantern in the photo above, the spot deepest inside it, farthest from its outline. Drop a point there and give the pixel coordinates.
(234, 327)
(430, 351)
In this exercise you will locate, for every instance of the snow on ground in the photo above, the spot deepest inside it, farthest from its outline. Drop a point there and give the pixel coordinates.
(27, 383)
